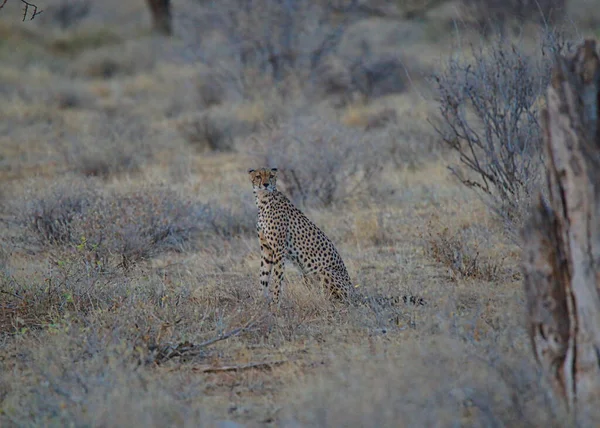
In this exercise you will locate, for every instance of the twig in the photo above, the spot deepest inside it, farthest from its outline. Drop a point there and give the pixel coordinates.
(187, 349)
(3, 3)
(10, 293)
(26, 9)
(227, 335)
(239, 367)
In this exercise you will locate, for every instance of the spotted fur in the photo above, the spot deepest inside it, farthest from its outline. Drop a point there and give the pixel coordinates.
(284, 232)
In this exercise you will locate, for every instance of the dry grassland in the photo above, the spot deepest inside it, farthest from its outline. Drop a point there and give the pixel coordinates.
(129, 262)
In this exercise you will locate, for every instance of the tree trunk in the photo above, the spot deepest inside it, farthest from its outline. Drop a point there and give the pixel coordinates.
(561, 263)
(161, 16)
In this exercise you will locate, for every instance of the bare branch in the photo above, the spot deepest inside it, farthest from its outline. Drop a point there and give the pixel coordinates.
(489, 116)
(239, 367)
(35, 12)
(187, 349)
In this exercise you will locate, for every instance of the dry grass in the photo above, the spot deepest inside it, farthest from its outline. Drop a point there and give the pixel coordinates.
(128, 259)
(460, 252)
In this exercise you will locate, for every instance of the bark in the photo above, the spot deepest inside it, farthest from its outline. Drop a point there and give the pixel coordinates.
(561, 263)
(161, 16)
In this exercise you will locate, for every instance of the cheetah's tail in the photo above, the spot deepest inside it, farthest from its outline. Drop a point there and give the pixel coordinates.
(383, 300)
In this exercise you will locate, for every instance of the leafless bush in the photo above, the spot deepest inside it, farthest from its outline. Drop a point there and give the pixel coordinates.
(132, 226)
(274, 39)
(280, 40)
(111, 146)
(460, 253)
(497, 15)
(276, 36)
(208, 130)
(140, 225)
(378, 76)
(85, 370)
(321, 162)
(369, 75)
(490, 116)
(404, 143)
(214, 129)
(231, 220)
(52, 217)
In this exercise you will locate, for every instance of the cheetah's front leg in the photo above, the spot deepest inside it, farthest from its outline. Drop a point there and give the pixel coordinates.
(276, 278)
(266, 266)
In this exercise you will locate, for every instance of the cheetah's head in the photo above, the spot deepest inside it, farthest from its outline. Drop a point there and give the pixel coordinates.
(263, 179)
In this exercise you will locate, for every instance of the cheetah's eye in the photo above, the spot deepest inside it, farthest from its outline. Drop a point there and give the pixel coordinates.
(272, 176)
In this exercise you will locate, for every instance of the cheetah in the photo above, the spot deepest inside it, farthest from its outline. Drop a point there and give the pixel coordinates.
(284, 232)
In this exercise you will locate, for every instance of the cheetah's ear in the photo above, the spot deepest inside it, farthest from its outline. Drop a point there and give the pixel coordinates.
(250, 171)
(274, 170)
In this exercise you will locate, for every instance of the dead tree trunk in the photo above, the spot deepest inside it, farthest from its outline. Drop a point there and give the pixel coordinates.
(562, 239)
(161, 16)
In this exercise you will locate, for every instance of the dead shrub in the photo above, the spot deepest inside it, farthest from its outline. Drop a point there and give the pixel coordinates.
(76, 282)
(370, 76)
(459, 251)
(51, 218)
(403, 143)
(277, 38)
(321, 162)
(111, 146)
(489, 109)
(140, 225)
(129, 227)
(214, 129)
(85, 364)
(233, 219)
(378, 76)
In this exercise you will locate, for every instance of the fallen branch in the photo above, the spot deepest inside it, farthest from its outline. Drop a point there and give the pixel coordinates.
(239, 367)
(227, 335)
(162, 353)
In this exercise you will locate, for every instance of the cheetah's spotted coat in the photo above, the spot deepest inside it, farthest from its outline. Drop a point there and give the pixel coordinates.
(284, 232)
